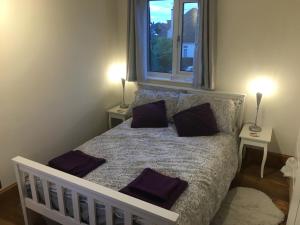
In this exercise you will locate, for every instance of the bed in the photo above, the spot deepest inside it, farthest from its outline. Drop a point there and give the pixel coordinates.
(208, 164)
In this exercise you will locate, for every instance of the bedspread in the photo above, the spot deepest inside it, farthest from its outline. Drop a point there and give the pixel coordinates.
(208, 164)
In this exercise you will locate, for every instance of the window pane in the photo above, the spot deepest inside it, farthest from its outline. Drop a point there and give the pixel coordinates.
(189, 23)
(160, 35)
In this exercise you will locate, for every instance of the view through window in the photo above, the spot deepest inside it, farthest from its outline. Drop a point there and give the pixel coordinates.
(189, 23)
(161, 36)
(171, 47)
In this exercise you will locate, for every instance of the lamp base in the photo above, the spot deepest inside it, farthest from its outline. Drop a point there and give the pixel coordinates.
(255, 128)
(124, 106)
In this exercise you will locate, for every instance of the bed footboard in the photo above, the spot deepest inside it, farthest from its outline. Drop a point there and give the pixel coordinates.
(130, 208)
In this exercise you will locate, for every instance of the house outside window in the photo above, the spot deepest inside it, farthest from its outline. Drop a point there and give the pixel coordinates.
(171, 39)
(185, 51)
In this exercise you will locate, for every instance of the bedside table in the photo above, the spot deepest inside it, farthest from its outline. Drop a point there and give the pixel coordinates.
(117, 113)
(259, 139)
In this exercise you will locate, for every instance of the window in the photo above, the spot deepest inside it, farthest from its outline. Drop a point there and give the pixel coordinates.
(171, 39)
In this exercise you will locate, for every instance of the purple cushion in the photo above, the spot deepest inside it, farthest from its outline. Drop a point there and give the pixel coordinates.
(196, 121)
(150, 115)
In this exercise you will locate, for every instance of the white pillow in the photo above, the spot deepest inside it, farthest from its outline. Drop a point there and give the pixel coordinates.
(223, 109)
(144, 96)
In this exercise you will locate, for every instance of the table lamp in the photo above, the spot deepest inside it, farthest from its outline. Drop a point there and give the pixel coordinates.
(123, 104)
(255, 127)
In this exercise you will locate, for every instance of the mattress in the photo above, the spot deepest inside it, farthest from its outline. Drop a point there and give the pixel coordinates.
(208, 164)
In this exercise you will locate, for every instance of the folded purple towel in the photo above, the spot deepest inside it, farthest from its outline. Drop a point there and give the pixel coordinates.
(153, 183)
(76, 163)
(156, 188)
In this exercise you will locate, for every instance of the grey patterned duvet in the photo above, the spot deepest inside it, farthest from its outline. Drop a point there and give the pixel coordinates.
(208, 164)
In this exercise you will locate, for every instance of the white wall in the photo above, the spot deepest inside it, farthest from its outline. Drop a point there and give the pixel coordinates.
(54, 85)
(262, 38)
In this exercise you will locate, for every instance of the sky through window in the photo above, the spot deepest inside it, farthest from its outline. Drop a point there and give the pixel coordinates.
(161, 10)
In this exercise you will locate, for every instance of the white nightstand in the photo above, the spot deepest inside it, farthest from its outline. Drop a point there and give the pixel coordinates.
(260, 139)
(117, 113)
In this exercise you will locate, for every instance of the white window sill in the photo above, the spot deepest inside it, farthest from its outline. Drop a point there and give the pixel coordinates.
(174, 80)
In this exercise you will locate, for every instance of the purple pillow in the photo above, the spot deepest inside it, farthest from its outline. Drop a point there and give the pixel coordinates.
(196, 121)
(150, 115)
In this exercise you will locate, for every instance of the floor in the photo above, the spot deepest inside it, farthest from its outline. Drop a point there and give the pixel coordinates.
(273, 184)
(10, 208)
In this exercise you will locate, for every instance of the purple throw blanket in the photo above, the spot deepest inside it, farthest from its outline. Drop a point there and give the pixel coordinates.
(76, 163)
(156, 188)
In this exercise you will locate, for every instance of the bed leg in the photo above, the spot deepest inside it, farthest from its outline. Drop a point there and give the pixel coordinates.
(21, 193)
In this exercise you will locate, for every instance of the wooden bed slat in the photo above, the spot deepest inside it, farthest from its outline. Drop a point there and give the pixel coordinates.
(127, 218)
(60, 198)
(33, 188)
(75, 206)
(46, 193)
(21, 188)
(147, 222)
(92, 211)
(109, 215)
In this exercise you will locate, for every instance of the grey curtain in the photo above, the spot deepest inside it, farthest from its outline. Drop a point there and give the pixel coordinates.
(204, 59)
(137, 40)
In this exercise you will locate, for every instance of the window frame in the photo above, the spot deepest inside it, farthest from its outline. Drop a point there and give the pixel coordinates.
(177, 75)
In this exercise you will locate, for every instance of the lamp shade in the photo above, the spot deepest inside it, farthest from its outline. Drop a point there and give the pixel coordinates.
(258, 98)
(123, 82)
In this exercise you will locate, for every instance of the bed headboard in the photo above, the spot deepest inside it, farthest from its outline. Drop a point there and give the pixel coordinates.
(238, 98)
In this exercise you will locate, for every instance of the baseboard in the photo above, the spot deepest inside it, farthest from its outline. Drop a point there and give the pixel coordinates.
(274, 160)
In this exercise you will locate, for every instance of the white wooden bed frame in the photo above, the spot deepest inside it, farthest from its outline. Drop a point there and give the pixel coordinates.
(151, 214)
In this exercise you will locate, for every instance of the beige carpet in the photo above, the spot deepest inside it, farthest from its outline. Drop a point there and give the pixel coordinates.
(247, 206)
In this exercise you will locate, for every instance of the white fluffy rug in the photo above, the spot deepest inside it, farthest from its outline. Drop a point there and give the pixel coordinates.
(247, 206)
